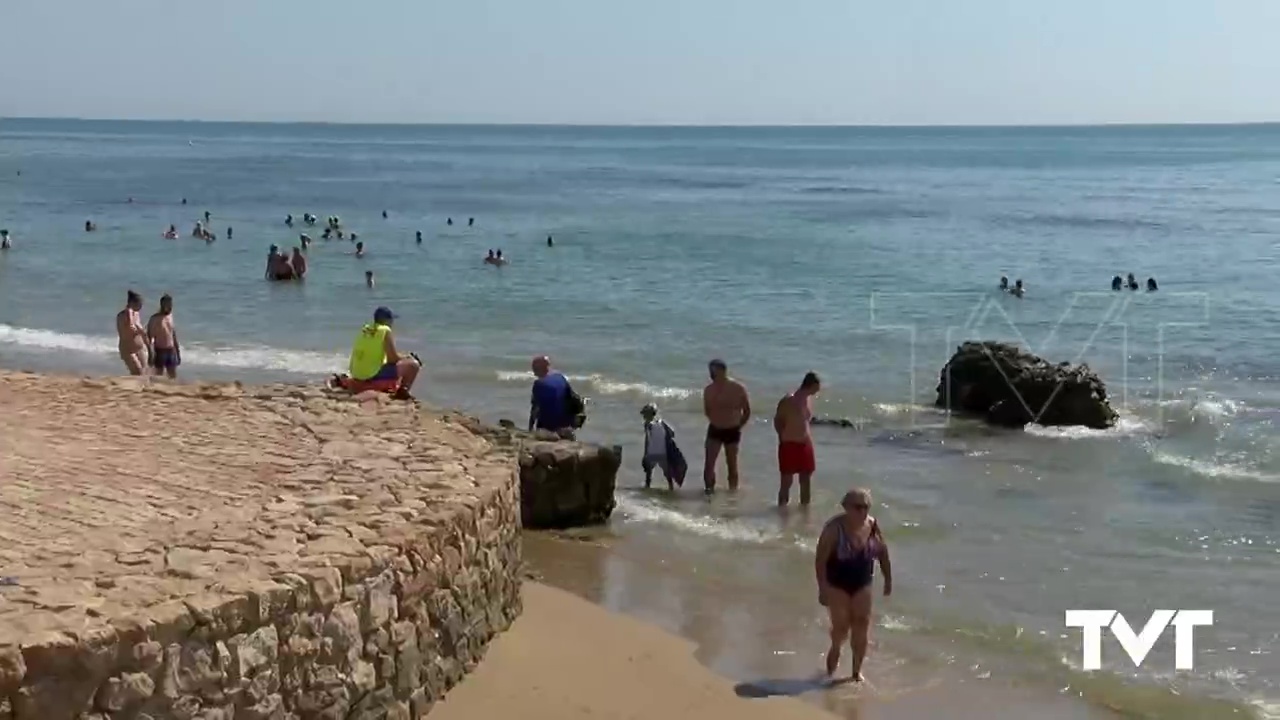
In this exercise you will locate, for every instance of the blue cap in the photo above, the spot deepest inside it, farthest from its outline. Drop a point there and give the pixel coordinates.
(383, 313)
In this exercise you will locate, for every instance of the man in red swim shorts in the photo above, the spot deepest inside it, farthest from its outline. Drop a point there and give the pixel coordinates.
(795, 445)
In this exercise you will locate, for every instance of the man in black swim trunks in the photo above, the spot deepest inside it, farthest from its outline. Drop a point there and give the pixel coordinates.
(727, 406)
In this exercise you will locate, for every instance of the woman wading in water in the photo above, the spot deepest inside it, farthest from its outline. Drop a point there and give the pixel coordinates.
(848, 549)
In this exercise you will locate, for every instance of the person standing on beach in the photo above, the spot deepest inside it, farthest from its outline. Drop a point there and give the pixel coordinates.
(727, 406)
(133, 336)
(164, 340)
(848, 549)
(795, 444)
(549, 407)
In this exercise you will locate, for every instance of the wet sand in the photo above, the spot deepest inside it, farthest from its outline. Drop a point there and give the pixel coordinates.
(566, 658)
(758, 644)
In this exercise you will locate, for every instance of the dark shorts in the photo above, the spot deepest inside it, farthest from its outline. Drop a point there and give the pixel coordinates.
(165, 359)
(388, 372)
(724, 436)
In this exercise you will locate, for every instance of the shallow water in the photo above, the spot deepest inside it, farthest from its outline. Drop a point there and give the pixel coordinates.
(866, 255)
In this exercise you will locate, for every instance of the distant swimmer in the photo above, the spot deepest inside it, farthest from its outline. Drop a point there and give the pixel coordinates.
(288, 221)
(1116, 283)
(1004, 283)
(305, 239)
(132, 334)
(89, 226)
(495, 258)
(130, 201)
(1018, 290)
(328, 233)
(354, 237)
(165, 355)
(228, 232)
(1132, 282)
(278, 265)
(308, 218)
(384, 214)
(299, 264)
(471, 222)
(5, 241)
(340, 236)
(550, 242)
(490, 259)
(1151, 285)
(184, 201)
(418, 237)
(368, 278)
(449, 221)
(207, 217)
(359, 249)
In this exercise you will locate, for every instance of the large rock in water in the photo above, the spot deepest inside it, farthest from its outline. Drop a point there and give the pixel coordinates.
(567, 484)
(1010, 387)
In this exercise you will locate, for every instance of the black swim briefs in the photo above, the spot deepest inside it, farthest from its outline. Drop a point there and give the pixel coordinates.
(724, 436)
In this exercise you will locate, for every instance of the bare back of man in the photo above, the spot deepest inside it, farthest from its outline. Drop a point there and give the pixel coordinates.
(133, 340)
(792, 421)
(727, 406)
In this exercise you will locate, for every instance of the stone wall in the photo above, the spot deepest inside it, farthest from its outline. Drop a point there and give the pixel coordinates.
(346, 561)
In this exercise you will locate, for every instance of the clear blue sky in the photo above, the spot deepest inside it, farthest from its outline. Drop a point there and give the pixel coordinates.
(644, 61)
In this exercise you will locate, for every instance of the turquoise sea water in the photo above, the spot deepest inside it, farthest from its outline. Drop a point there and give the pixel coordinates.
(864, 254)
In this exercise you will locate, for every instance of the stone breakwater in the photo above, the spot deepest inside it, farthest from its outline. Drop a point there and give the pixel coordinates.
(221, 552)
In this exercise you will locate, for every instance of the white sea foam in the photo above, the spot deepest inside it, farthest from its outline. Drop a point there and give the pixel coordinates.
(596, 383)
(1214, 470)
(1126, 425)
(243, 357)
(721, 528)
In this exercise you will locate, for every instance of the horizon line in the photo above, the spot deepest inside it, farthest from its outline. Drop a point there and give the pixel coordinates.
(716, 126)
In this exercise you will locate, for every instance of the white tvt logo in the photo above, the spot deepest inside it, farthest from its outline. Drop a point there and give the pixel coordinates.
(1138, 645)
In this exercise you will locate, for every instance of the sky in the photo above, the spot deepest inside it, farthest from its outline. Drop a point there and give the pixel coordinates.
(696, 62)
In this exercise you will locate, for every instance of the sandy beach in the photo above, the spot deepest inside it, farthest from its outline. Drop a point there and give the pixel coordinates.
(567, 658)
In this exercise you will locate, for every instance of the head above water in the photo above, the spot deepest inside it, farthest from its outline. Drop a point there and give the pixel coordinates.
(133, 300)
(856, 502)
(383, 315)
(718, 369)
(541, 365)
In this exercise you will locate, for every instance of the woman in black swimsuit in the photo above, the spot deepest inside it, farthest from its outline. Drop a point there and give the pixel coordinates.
(850, 546)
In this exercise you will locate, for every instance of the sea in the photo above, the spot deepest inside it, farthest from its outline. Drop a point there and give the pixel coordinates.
(864, 254)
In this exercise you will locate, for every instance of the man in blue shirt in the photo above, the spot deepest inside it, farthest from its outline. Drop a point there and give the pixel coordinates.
(549, 408)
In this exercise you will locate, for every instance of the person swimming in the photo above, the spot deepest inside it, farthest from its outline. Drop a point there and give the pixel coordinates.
(418, 237)
(328, 233)
(207, 216)
(1004, 283)
(228, 232)
(1017, 290)
(550, 242)
(384, 214)
(170, 234)
(5, 241)
(305, 239)
(471, 222)
(288, 221)
(368, 278)
(1116, 283)
(89, 226)
(1132, 283)
(1151, 285)
(449, 221)
(359, 249)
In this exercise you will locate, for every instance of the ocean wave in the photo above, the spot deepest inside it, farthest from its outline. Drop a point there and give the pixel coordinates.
(1211, 469)
(707, 526)
(1126, 426)
(606, 386)
(243, 357)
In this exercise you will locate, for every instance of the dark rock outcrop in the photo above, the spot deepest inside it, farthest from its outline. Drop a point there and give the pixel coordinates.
(567, 484)
(1010, 387)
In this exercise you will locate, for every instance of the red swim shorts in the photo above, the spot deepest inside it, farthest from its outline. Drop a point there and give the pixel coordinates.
(796, 458)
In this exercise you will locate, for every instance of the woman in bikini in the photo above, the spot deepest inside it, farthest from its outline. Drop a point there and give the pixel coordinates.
(850, 546)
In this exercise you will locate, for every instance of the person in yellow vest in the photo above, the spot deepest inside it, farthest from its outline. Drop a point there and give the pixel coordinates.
(374, 356)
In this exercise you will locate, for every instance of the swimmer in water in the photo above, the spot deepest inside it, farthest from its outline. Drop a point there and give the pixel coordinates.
(207, 216)
(1018, 290)
(184, 201)
(449, 221)
(359, 249)
(368, 278)
(490, 258)
(299, 264)
(1004, 283)
(89, 226)
(228, 232)
(1151, 285)
(288, 221)
(1132, 282)
(305, 239)
(1116, 283)
(418, 237)
(5, 241)
(384, 214)
(550, 242)
(471, 222)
